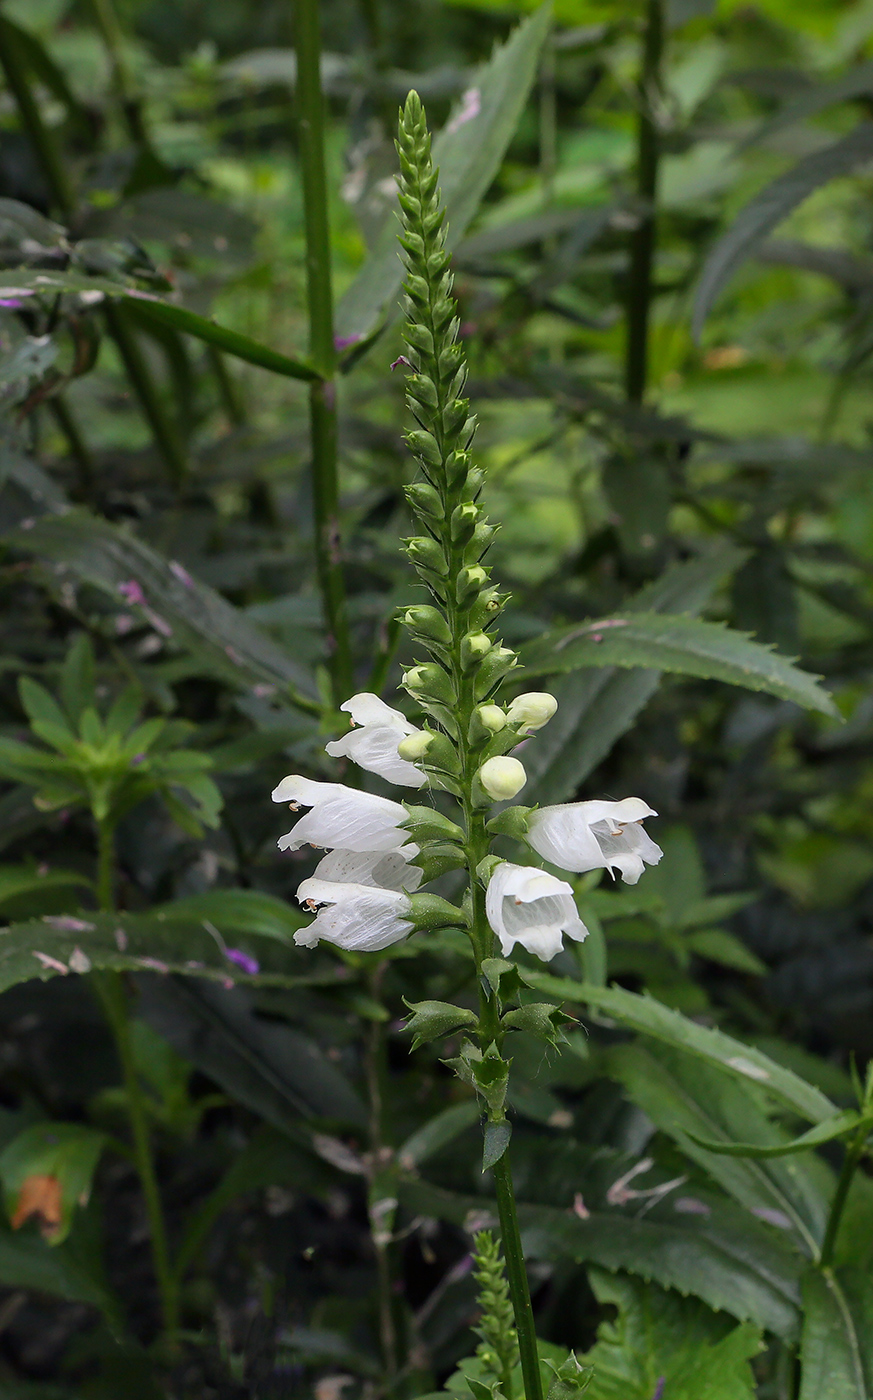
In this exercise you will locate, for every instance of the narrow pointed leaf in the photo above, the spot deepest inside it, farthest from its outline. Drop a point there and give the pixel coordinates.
(830, 1347)
(844, 1123)
(682, 645)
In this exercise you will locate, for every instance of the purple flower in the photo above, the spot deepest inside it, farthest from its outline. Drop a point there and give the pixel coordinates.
(401, 360)
(249, 965)
(132, 593)
(342, 342)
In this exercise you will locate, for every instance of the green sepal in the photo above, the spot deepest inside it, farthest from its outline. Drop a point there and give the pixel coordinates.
(441, 756)
(430, 1020)
(496, 1141)
(484, 870)
(439, 860)
(430, 682)
(538, 1018)
(427, 623)
(425, 553)
(513, 821)
(427, 824)
(571, 1379)
(481, 1391)
(493, 668)
(466, 1062)
(429, 911)
(424, 500)
(491, 1077)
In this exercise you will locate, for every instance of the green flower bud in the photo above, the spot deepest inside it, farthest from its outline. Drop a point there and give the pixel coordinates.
(470, 583)
(430, 682)
(532, 710)
(464, 518)
(426, 553)
(491, 717)
(474, 646)
(502, 778)
(480, 540)
(425, 500)
(493, 667)
(428, 622)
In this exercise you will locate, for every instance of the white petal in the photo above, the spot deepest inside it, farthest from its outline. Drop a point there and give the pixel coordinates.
(343, 817)
(356, 917)
(528, 906)
(366, 708)
(563, 836)
(376, 750)
(303, 790)
(384, 870)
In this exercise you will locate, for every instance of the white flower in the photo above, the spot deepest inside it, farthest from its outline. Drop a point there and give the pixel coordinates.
(386, 870)
(502, 778)
(340, 817)
(527, 906)
(594, 835)
(359, 918)
(373, 745)
(532, 710)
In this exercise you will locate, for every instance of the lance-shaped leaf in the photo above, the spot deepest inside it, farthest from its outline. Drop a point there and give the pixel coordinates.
(769, 207)
(432, 1019)
(841, 1126)
(158, 311)
(683, 645)
(644, 1013)
(831, 1344)
(468, 152)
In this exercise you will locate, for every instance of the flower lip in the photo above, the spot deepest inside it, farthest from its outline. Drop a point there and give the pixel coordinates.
(596, 835)
(341, 817)
(356, 917)
(373, 740)
(527, 905)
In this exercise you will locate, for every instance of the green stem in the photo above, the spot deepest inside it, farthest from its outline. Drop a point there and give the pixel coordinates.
(642, 246)
(516, 1273)
(854, 1153)
(111, 993)
(41, 138)
(322, 393)
(146, 390)
(78, 447)
(129, 99)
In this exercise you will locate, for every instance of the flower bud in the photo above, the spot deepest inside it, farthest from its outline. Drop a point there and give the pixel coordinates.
(457, 466)
(427, 553)
(491, 717)
(532, 710)
(470, 582)
(502, 778)
(480, 540)
(474, 646)
(415, 745)
(425, 500)
(430, 682)
(492, 668)
(428, 622)
(464, 518)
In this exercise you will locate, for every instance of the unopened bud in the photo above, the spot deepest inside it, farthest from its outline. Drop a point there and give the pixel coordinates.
(431, 682)
(492, 668)
(425, 500)
(415, 746)
(502, 778)
(532, 710)
(427, 553)
(474, 646)
(428, 622)
(470, 582)
(464, 518)
(491, 717)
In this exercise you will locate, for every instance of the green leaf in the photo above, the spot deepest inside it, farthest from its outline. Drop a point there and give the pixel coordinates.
(844, 1123)
(663, 1343)
(690, 1101)
(496, 1141)
(25, 890)
(78, 678)
(468, 152)
(719, 1252)
(645, 1014)
(152, 309)
(108, 558)
(719, 946)
(437, 1133)
(596, 707)
(432, 1019)
(830, 1347)
(683, 645)
(27, 1261)
(59, 1160)
(857, 82)
(768, 208)
(236, 911)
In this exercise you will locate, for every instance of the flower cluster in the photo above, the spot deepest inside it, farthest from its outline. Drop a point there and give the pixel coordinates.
(366, 889)
(363, 886)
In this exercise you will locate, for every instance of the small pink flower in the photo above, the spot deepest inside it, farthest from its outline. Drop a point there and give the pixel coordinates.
(132, 593)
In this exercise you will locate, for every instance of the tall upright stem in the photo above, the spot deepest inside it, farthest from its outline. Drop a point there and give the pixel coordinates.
(44, 145)
(854, 1152)
(322, 393)
(516, 1274)
(113, 998)
(139, 374)
(642, 246)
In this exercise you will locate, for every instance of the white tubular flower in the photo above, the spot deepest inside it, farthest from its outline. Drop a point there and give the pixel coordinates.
(532, 710)
(341, 817)
(527, 906)
(593, 835)
(502, 778)
(386, 870)
(359, 918)
(373, 745)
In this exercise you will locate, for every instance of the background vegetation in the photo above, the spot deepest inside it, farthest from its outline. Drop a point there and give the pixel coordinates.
(660, 216)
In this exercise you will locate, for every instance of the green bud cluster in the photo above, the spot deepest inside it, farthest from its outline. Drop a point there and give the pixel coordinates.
(454, 629)
(498, 1349)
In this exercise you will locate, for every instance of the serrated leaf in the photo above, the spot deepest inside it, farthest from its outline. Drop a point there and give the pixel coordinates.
(846, 1122)
(109, 558)
(430, 1020)
(468, 153)
(768, 208)
(596, 707)
(662, 1344)
(645, 1014)
(832, 1367)
(678, 644)
(721, 1254)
